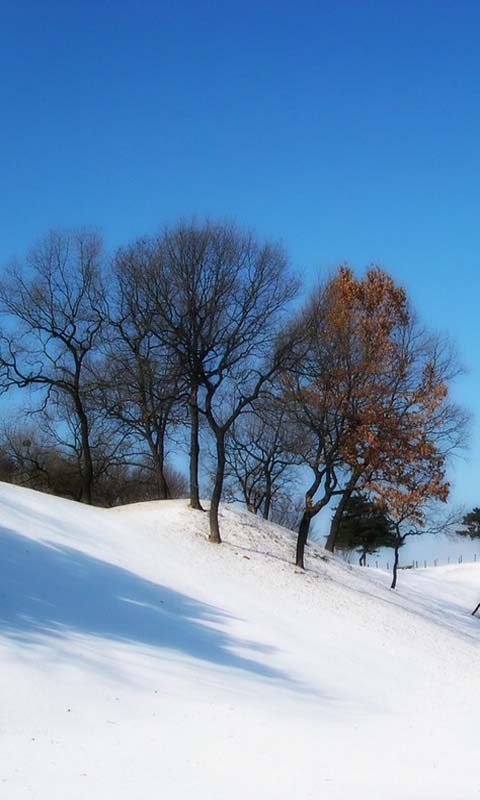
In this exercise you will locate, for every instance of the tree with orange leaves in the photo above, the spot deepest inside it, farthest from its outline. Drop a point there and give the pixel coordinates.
(370, 400)
(409, 430)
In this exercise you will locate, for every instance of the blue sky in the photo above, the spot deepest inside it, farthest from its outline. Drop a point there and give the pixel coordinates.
(350, 130)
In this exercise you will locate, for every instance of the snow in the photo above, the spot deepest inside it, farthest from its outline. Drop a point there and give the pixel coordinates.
(138, 659)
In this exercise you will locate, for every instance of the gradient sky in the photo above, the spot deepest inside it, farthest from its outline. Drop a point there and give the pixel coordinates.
(350, 130)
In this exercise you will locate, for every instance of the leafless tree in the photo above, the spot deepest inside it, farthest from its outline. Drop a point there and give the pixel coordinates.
(259, 458)
(218, 296)
(36, 455)
(35, 462)
(419, 521)
(54, 310)
(139, 381)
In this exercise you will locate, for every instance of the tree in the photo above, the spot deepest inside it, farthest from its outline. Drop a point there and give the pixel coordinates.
(32, 455)
(471, 527)
(471, 523)
(140, 385)
(373, 397)
(259, 458)
(55, 311)
(412, 521)
(364, 527)
(334, 392)
(37, 462)
(121, 483)
(412, 427)
(185, 283)
(217, 297)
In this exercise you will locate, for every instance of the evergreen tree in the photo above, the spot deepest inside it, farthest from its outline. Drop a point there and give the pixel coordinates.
(364, 527)
(471, 521)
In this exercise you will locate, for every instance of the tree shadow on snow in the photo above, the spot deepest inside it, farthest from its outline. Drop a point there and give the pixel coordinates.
(56, 591)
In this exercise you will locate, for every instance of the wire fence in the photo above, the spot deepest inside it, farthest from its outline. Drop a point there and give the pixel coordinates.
(422, 563)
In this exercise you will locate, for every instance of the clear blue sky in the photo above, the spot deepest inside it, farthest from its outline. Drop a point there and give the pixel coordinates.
(350, 130)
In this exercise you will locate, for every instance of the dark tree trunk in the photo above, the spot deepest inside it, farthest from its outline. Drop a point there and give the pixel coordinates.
(194, 450)
(395, 566)
(162, 483)
(268, 499)
(217, 490)
(302, 539)
(163, 490)
(362, 561)
(309, 512)
(87, 462)
(156, 443)
(337, 517)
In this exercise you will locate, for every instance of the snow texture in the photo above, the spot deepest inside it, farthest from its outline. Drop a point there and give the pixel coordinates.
(139, 660)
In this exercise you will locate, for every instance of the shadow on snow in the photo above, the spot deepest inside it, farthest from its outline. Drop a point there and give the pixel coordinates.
(55, 591)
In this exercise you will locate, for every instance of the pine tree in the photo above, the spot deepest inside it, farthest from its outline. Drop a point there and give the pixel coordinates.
(471, 521)
(364, 527)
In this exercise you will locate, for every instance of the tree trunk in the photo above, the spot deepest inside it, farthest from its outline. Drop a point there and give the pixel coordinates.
(268, 499)
(194, 450)
(302, 539)
(309, 512)
(163, 491)
(337, 517)
(87, 466)
(157, 452)
(395, 566)
(217, 490)
(162, 483)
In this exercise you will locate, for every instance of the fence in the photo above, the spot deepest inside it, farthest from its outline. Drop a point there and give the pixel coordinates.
(424, 563)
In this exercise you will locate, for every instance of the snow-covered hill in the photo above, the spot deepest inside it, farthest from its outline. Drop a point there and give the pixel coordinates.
(137, 659)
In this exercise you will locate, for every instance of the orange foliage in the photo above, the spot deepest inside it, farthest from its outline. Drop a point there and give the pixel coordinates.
(375, 391)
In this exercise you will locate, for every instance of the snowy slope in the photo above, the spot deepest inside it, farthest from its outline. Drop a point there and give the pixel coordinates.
(138, 659)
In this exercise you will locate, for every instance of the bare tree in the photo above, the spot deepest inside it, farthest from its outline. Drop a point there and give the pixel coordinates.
(140, 384)
(123, 483)
(218, 297)
(418, 521)
(55, 312)
(36, 461)
(39, 455)
(259, 458)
